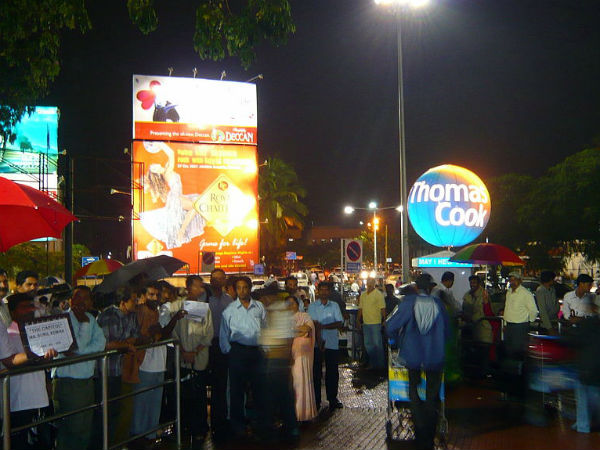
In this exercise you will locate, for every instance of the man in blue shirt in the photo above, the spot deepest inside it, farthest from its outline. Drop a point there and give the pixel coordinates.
(239, 335)
(73, 385)
(327, 318)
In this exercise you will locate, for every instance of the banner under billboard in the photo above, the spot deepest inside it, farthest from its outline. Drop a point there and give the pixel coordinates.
(32, 158)
(197, 198)
(194, 110)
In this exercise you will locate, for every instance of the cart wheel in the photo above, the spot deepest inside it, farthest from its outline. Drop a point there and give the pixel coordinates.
(388, 429)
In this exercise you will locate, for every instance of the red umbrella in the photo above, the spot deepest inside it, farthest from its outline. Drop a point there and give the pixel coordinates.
(488, 254)
(96, 268)
(26, 214)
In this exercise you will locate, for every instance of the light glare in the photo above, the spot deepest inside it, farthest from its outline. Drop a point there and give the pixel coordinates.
(372, 205)
(348, 209)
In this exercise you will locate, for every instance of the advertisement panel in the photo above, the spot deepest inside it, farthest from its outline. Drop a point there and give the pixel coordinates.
(194, 110)
(449, 206)
(32, 158)
(194, 199)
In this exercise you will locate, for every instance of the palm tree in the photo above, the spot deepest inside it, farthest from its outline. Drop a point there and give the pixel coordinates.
(280, 205)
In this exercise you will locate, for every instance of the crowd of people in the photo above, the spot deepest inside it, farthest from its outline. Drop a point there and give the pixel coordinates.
(260, 354)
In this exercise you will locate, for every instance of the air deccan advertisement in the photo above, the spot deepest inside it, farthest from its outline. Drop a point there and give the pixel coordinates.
(194, 110)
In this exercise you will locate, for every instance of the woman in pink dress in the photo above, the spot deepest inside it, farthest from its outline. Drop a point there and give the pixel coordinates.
(302, 366)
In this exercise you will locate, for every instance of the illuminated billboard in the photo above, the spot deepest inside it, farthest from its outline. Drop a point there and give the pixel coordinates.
(194, 110)
(449, 206)
(32, 158)
(195, 198)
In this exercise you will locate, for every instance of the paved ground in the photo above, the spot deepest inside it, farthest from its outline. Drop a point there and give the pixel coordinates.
(478, 418)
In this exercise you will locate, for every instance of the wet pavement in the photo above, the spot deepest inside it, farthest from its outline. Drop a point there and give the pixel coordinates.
(478, 418)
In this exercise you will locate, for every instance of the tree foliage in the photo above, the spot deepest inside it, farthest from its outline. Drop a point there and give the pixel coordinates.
(31, 32)
(280, 204)
(33, 256)
(551, 216)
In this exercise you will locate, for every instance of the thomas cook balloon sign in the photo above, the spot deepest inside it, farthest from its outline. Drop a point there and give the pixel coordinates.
(449, 206)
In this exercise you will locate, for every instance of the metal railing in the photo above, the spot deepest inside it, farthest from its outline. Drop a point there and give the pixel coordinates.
(6, 375)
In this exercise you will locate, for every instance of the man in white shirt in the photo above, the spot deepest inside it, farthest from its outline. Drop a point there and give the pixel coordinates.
(577, 304)
(519, 311)
(28, 391)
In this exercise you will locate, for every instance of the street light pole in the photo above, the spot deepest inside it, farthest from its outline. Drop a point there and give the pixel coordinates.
(402, 142)
(375, 240)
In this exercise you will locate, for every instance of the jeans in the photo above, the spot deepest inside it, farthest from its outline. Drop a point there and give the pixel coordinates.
(374, 345)
(424, 413)
(331, 374)
(146, 406)
(280, 394)
(588, 406)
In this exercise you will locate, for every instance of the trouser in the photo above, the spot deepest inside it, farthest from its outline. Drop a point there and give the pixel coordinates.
(74, 432)
(194, 414)
(331, 374)
(374, 345)
(515, 342)
(146, 406)
(169, 400)
(588, 406)
(218, 365)
(245, 366)
(424, 413)
(280, 393)
(20, 440)
(114, 390)
(125, 413)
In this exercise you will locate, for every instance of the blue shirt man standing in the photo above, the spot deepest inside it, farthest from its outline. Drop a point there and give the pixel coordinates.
(239, 334)
(328, 319)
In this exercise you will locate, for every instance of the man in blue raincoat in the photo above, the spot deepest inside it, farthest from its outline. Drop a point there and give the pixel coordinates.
(420, 327)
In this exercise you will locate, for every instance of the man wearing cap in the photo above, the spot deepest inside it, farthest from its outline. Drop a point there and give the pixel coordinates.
(519, 311)
(422, 348)
(547, 303)
(577, 303)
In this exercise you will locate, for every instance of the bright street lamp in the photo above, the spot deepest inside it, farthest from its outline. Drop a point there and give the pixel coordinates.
(398, 5)
(372, 207)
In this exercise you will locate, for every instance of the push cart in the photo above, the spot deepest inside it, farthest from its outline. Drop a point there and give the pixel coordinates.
(398, 421)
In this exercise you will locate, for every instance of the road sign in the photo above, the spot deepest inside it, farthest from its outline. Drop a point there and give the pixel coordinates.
(85, 260)
(259, 269)
(352, 255)
(208, 261)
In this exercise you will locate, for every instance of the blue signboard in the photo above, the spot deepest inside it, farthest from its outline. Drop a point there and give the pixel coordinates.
(85, 260)
(259, 269)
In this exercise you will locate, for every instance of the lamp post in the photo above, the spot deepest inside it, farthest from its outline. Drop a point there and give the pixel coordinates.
(372, 207)
(398, 4)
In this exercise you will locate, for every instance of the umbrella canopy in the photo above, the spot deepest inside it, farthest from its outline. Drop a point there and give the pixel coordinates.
(488, 254)
(96, 268)
(26, 214)
(155, 268)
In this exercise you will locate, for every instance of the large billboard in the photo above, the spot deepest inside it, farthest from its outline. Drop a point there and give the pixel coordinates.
(194, 110)
(32, 158)
(196, 198)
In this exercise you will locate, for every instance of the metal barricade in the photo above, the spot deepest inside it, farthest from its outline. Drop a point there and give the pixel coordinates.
(103, 358)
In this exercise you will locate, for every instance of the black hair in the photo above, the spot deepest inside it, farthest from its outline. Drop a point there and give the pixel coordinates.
(24, 274)
(547, 275)
(230, 281)
(154, 285)
(83, 287)
(3, 272)
(448, 276)
(326, 284)
(189, 280)
(246, 280)
(291, 277)
(584, 278)
(389, 285)
(218, 269)
(122, 294)
(14, 300)
(475, 277)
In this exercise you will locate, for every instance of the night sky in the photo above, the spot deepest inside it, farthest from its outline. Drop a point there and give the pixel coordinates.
(497, 86)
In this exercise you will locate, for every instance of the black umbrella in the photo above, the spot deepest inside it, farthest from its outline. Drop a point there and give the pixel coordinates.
(155, 268)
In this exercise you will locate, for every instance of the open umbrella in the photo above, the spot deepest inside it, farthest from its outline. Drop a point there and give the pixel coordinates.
(487, 254)
(155, 268)
(97, 268)
(26, 214)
